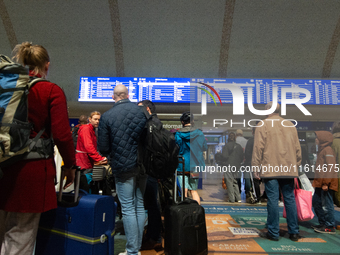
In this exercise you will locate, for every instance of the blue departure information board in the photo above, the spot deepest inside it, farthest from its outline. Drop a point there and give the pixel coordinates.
(224, 88)
(167, 90)
(264, 89)
(190, 90)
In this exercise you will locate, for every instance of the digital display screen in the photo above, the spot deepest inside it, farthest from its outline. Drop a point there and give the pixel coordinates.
(190, 90)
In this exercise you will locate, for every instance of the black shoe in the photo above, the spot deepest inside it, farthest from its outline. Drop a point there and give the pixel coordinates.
(268, 236)
(316, 226)
(326, 230)
(150, 244)
(294, 237)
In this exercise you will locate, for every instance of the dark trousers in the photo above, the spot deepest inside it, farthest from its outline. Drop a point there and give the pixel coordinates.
(257, 188)
(151, 204)
(324, 207)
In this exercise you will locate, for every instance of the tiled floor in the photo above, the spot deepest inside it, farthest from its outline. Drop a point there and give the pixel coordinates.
(212, 193)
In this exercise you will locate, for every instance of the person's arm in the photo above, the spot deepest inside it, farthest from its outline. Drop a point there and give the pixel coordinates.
(330, 174)
(204, 142)
(298, 149)
(60, 126)
(62, 137)
(248, 152)
(258, 148)
(70, 176)
(104, 144)
(241, 153)
(225, 153)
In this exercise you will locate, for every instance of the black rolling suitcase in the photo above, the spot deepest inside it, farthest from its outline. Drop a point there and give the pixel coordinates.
(185, 229)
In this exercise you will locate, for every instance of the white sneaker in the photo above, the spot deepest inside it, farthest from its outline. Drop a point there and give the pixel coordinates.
(125, 253)
(240, 201)
(281, 203)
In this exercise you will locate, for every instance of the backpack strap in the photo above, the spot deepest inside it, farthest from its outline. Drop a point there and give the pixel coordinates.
(4, 61)
(36, 138)
(4, 58)
(34, 80)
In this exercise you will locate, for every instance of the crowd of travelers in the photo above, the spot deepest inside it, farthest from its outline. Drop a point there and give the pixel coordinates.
(275, 145)
(28, 188)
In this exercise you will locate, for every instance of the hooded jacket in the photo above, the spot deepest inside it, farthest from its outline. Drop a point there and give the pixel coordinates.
(336, 149)
(87, 153)
(325, 167)
(191, 143)
(336, 146)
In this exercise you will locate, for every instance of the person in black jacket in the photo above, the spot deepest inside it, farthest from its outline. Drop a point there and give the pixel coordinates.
(152, 239)
(232, 157)
(119, 133)
(248, 155)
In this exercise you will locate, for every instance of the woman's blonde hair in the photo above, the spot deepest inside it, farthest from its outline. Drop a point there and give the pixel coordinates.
(33, 56)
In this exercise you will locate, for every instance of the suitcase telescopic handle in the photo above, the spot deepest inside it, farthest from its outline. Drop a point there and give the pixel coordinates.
(76, 184)
(180, 161)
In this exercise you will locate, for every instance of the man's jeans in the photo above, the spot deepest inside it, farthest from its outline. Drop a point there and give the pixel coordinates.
(272, 190)
(130, 193)
(152, 206)
(323, 207)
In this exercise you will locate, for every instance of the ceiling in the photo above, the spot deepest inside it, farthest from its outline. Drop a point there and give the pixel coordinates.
(209, 39)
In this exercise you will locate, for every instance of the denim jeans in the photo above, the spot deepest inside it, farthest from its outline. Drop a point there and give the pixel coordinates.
(130, 193)
(324, 207)
(273, 220)
(152, 206)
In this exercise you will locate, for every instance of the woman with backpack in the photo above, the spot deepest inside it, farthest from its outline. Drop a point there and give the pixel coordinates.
(27, 188)
(191, 144)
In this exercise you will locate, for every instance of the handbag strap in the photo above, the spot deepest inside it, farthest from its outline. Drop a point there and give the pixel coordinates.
(296, 184)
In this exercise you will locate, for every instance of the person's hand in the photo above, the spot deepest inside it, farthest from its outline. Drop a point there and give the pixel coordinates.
(324, 187)
(256, 175)
(70, 174)
(224, 185)
(102, 162)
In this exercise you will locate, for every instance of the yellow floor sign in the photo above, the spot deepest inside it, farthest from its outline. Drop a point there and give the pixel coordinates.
(221, 240)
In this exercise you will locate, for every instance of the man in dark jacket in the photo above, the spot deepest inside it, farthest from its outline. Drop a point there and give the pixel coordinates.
(119, 133)
(153, 239)
(247, 163)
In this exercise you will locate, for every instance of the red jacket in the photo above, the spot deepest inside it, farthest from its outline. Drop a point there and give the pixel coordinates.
(28, 186)
(87, 152)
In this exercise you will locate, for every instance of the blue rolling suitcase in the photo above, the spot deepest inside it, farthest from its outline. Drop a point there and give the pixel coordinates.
(82, 224)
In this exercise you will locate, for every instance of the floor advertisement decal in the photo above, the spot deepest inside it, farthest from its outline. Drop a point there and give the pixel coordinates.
(235, 230)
